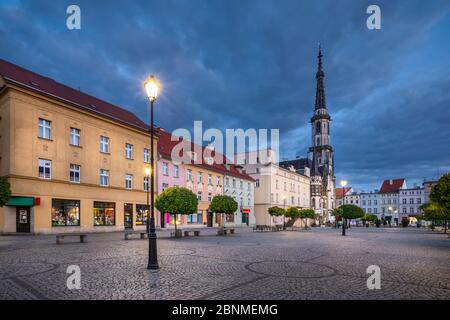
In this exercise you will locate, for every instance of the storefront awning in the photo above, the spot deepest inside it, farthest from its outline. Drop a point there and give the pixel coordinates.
(21, 201)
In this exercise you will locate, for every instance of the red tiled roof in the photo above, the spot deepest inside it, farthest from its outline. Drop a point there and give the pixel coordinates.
(29, 80)
(166, 145)
(391, 186)
(340, 191)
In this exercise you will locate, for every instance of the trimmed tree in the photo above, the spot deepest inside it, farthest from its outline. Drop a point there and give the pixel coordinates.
(337, 213)
(176, 200)
(292, 213)
(369, 218)
(440, 196)
(349, 212)
(5, 191)
(276, 211)
(221, 204)
(307, 214)
(434, 213)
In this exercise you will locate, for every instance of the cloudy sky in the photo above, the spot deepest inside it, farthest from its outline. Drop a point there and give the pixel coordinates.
(251, 64)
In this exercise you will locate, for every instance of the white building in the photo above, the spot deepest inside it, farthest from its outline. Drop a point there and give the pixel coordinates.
(352, 198)
(239, 187)
(410, 202)
(275, 186)
(389, 199)
(369, 202)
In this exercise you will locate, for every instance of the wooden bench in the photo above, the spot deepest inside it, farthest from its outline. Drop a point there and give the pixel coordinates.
(60, 237)
(195, 232)
(261, 228)
(128, 234)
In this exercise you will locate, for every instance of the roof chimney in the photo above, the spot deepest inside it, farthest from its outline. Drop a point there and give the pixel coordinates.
(391, 182)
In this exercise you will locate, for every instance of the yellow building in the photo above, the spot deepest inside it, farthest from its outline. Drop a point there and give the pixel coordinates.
(75, 163)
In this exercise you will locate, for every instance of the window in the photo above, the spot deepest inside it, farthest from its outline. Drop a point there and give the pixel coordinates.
(65, 213)
(75, 136)
(218, 181)
(199, 195)
(195, 217)
(285, 188)
(364, 202)
(142, 213)
(128, 151)
(411, 210)
(104, 144)
(104, 213)
(45, 169)
(146, 155)
(227, 181)
(257, 183)
(241, 185)
(146, 184)
(128, 181)
(375, 210)
(234, 183)
(411, 201)
(271, 197)
(189, 175)
(74, 173)
(45, 129)
(404, 209)
(199, 177)
(210, 180)
(209, 197)
(165, 168)
(369, 210)
(318, 127)
(164, 186)
(104, 177)
(375, 202)
(176, 171)
(249, 186)
(276, 184)
(419, 200)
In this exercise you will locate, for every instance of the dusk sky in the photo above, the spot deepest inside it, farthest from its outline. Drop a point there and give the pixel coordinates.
(252, 64)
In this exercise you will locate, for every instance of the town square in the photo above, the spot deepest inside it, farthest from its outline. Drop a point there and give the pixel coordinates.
(224, 150)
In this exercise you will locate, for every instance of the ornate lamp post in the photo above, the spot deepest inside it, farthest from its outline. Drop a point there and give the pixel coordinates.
(151, 87)
(343, 184)
(148, 170)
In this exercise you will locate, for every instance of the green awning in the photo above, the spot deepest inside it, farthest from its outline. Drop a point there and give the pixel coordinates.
(21, 201)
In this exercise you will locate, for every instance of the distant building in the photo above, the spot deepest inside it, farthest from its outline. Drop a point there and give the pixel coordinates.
(389, 199)
(369, 202)
(352, 198)
(340, 194)
(410, 201)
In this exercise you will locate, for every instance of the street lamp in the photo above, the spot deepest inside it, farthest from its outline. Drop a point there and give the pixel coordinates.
(148, 170)
(284, 215)
(343, 184)
(151, 87)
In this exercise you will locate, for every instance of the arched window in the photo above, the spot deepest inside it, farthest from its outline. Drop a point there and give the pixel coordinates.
(318, 127)
(318, 141)
(313, 203)
(328, 128)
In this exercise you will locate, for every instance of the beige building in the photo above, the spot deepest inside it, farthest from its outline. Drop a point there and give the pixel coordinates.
(276, 186)
(75, 163)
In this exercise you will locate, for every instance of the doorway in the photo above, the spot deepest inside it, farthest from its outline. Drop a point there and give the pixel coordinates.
(23, 223)
(209, 219)
(128, 216)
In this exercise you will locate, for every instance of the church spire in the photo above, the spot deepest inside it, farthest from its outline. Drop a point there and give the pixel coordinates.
(320, 90)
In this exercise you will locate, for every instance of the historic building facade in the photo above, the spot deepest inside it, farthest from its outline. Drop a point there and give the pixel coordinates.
(75, 163)
(389, 199)
(410, 200)
(321, 154)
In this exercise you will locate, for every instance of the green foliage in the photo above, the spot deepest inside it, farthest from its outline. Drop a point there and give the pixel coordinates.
(433, 212)
(369, 218)
(5, 191)
(350, 211)
(276, 211)
(337, 212)
(440, 194)
(223, 204)
(307, 214)
(177, 200)
(292, 212)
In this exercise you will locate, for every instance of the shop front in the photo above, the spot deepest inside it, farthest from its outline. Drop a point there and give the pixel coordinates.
(18, 215)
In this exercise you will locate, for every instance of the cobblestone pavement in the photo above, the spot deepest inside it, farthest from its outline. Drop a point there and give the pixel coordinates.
(313, 264)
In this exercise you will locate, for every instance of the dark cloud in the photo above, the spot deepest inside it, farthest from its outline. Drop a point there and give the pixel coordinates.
(251, 64)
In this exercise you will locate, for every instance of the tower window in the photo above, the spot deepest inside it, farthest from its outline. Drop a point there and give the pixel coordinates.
(318, 141)
(318, 127)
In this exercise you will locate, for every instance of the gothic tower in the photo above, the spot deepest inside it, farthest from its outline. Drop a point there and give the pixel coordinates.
(321, 153)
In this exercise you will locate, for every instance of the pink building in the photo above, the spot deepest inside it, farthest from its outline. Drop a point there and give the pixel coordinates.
(169, 173)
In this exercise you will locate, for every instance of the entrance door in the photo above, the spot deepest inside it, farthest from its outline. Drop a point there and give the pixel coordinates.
(209, 219)
(128, 216)
(23, 223)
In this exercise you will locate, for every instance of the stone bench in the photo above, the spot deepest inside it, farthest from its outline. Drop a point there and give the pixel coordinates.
(228, 229)
(195, 232)
(128, 234)
(60, 237)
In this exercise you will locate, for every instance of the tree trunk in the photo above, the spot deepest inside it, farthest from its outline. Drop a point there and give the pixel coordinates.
(306, 223)
(445, 226)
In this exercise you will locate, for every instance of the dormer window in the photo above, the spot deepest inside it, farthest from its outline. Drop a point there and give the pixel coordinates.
(209, 160)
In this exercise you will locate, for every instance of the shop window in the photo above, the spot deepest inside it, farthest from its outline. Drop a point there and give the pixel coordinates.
(104, 213)
(142, 213)
(65, 212)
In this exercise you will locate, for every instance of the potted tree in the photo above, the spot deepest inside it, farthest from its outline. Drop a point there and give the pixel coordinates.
(177, 200)
(222, 205)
